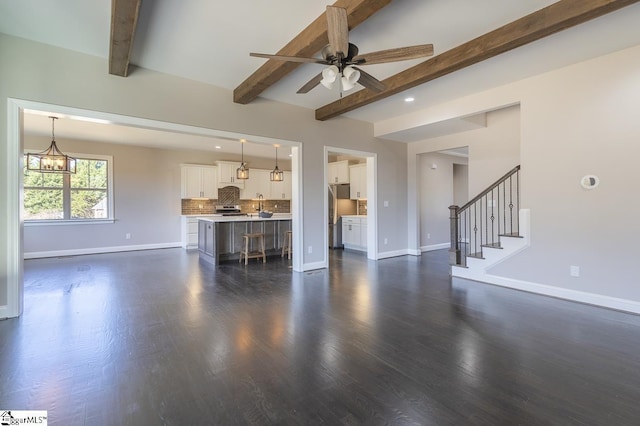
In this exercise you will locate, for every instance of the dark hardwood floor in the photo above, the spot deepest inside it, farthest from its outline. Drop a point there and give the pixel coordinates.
(157, 337)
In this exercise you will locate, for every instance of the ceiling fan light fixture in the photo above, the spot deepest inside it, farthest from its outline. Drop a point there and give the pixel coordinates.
(329, 76)
(350, 77)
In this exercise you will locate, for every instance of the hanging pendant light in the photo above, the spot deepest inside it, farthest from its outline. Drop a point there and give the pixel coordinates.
(277, 175)
(242, 172)
(52, 160)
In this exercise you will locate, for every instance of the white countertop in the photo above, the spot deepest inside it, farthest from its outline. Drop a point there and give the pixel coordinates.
(251, 218)
(356, 216)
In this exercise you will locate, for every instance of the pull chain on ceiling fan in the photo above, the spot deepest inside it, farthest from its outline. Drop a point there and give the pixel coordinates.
(343, 59)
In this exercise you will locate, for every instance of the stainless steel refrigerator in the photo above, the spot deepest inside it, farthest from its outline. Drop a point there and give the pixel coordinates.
(339, 204)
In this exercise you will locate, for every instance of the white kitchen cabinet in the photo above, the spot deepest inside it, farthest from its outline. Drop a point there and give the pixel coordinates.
(354, 232)
(358, 181)
(199, 181)
(338, 172)
(281, 190)
(258, 183)
(189, 232)
(363, 233)
(350, 232)
(227, 174)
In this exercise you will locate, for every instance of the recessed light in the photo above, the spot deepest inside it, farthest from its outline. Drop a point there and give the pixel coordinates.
(290, 155)
(409, 99)
(218, 147)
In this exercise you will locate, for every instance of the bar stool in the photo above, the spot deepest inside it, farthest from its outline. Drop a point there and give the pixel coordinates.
(246, 243)
(286, 246)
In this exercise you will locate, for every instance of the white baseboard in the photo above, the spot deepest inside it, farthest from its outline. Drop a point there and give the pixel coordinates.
(562, 293)
(414, 252)
(98, 250)
(395, 253)
(314, 266)
(4, 311)
(433, 247)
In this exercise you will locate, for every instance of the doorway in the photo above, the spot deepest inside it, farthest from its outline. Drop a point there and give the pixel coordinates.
(443, 181)
(360, 206)
(14, 184)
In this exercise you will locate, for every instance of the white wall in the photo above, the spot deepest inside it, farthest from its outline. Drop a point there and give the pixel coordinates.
(41, 73)
(493, 151)
(581, 119)
(436, 195)
(146, 197)
(460, 184)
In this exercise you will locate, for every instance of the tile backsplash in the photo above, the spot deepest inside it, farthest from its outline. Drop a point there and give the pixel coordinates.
(362, 206)
(276, 206)
(190, 206)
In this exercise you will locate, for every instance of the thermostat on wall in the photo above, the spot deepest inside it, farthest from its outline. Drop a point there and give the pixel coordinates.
(590, 181)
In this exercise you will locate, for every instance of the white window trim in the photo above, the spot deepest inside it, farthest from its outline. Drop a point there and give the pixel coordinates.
(110, 219)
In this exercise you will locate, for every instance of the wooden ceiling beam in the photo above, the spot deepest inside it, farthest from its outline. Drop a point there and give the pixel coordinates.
(124, 18)
(544, 22)
(310, 41)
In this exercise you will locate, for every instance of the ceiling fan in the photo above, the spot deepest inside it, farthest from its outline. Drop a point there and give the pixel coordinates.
(342, 57)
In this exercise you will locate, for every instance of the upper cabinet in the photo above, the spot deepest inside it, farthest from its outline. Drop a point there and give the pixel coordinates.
(281, 190)
(227, 174)
(338, 172)
(199, 181)
(258, 183)
(358, 179)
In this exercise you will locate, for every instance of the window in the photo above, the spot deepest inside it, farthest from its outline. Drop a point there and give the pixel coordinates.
(70, 198)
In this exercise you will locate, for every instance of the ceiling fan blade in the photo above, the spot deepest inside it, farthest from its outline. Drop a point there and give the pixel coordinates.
(370, 82)
(290, 58)
(310, 84)
(338, 30)
(392, 55)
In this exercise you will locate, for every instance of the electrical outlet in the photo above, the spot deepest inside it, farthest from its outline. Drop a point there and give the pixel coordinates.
(574, 271)
(127, 236)
(428, 236)
(386, 241)
(386, 204)
(309, 249)
(200, 206)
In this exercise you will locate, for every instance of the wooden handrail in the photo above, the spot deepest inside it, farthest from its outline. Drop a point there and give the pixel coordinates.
(489, 189)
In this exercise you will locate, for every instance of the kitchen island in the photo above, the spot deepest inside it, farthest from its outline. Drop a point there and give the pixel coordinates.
(220, 237)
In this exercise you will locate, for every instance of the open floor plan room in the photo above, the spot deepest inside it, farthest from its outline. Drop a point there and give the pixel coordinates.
(160, 337)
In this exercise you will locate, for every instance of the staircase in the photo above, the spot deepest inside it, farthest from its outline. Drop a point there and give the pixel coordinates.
(489, 228)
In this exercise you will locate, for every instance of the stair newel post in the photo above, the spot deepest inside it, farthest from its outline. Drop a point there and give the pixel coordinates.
(454, 251)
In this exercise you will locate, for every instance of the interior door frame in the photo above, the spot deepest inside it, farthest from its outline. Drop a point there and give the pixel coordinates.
(372, 197)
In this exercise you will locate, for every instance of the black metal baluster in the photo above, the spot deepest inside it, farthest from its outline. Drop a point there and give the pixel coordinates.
(511, 203)
(493, 228)
(475, 228)
(518, 199)
(458, 224)
(504, 206)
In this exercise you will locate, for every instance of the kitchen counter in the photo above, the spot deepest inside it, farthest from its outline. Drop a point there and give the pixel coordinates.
(220, 237)
(250, 217)
(356, 216)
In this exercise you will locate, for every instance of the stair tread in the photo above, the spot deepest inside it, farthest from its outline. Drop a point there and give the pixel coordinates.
(477, 255)
(461, 266)
(492, 245)
(512, 235)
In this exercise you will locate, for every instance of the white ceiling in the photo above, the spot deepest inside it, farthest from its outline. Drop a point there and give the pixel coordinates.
(70, 127)
(210, 41)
